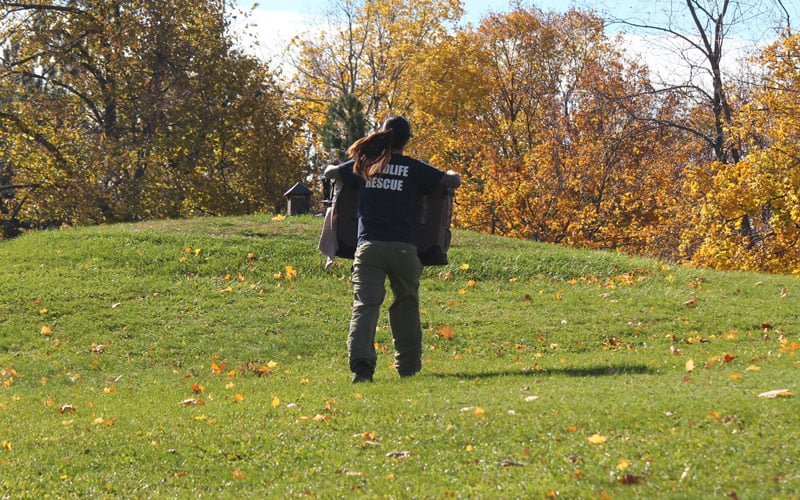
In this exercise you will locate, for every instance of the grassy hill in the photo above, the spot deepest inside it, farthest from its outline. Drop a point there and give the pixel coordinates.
(207, 357)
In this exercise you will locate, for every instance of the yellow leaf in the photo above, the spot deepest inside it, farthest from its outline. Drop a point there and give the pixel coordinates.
(46, 330)
(464, 267)
(623, 464)
(752, 368)
(689, 365)
(736, 376)
(470, 448)
(276, 402)
(479, 412)
(237, 474)
(597, 439)
(238, 397)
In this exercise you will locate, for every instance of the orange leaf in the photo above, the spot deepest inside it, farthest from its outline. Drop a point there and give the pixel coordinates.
(445, 332)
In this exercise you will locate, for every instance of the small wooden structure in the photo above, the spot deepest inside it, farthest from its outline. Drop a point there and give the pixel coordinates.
(298, 200)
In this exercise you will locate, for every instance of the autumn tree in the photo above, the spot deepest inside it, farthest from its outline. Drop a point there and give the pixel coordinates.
(128, 109)
(366, 50)
(531, 108)
(700, 35)
(764, 186)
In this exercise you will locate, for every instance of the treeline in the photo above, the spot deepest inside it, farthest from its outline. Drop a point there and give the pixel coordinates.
(122, 110)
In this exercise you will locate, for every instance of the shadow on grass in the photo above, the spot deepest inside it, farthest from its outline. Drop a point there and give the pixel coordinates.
(592, 371)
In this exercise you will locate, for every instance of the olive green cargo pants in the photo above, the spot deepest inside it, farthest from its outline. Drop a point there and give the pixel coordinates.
(373, 263)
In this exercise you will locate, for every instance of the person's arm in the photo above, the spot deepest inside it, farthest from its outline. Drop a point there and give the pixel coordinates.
(451, 179)
(331, 172)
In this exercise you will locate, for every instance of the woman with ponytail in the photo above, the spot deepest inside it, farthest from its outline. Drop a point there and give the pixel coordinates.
(387, 182)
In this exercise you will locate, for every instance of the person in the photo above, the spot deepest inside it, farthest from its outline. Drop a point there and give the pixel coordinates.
(387, 182)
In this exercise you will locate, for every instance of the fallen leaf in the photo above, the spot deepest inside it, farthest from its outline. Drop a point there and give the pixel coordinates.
(398, 454)
(623, 464)
(630, 479)
(67, 408)
(597, 439)
(691, 302)
(191, 401)
(511, 463)
(777, 393)
(445, 332)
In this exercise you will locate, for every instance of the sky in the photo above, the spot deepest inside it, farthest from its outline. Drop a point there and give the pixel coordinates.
(273, 23)
(277, 21)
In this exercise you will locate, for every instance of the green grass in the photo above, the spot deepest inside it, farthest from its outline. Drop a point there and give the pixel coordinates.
(550, 347)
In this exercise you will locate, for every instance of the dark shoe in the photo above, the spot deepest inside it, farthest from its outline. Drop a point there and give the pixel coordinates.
(358, 378)
(362, 371)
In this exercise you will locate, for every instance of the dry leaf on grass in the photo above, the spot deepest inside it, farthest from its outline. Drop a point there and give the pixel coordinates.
(777, 393)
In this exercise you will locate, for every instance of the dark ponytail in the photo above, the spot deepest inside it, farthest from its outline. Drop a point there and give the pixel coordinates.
(373, 152)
